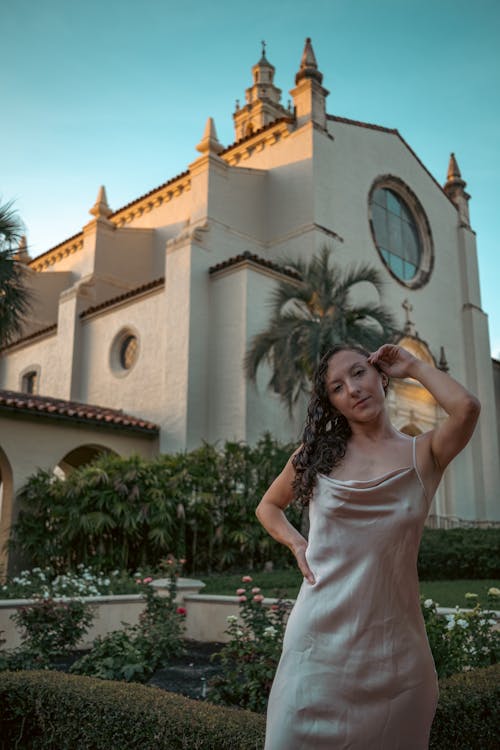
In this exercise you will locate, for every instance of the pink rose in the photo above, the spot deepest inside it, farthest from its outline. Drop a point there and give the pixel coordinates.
(256, 590)
(239, 592)
(258, 598)
(147, 580)
(242, 599)
(138, 580)
(247, 579)
(182, 560)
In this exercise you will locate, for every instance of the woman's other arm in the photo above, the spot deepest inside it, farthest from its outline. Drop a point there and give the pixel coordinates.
(270, 512)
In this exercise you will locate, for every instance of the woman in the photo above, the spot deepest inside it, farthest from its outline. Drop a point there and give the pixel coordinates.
(356, 672)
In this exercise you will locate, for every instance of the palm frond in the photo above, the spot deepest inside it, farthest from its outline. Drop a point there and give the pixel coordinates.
(310, 316)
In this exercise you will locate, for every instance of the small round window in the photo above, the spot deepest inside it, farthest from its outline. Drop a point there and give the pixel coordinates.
(128, 351)
(124, 352)
(401, 231)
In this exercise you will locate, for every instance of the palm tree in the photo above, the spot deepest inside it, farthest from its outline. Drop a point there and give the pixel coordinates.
(14, 295)
(311, 315)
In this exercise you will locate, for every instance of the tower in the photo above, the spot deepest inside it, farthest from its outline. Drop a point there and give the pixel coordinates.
(262, 100)
(309, 96)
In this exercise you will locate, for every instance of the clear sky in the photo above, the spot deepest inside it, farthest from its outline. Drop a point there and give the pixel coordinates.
(117, 92)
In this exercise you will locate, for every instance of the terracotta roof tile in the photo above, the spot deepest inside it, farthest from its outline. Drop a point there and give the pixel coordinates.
(257, 132)
(150, 192)
(34, 335)
(123, 297)
(46, 406)
(248, 256)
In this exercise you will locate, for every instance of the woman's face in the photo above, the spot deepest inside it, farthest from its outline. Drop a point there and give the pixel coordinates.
(354, 387)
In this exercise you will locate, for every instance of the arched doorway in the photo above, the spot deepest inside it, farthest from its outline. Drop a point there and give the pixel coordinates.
(80, 456)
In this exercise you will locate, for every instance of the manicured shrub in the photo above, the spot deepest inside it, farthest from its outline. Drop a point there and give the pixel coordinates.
(467, 712)
(47, 710)
(459, 553)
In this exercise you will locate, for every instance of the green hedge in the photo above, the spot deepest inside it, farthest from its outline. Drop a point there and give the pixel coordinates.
(43, 710)
(459, 553)
(467, 713)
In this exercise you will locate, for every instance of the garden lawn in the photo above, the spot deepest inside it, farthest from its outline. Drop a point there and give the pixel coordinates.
(286, 583)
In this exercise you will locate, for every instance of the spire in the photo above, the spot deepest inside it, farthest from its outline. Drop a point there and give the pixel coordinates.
(101, 209)
(309, 96)
(455, 190)
(308, 65)
(453, 170)
(209, 143)
(22, 255)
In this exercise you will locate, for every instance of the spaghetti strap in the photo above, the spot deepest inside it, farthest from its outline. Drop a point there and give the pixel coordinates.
(415, 466)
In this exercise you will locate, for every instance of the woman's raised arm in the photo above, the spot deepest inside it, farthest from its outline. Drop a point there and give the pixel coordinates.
(461, 406)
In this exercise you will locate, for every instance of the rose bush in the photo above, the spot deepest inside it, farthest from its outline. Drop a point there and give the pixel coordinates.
(462, 640)
(135, 652)
(250, 658)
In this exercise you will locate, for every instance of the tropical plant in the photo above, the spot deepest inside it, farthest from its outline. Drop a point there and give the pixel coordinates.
(127, 513)
(311, 314)
(15, 297)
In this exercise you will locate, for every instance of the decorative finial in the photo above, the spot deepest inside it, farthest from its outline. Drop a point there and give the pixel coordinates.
(263, 42)
(308, 65)
(453, 170)
(455, 190)
(409, 328)
(22, 255)
(209, 143)
(443, 363)
(101, 209)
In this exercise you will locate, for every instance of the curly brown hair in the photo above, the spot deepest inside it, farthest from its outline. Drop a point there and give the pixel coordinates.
(326, 432)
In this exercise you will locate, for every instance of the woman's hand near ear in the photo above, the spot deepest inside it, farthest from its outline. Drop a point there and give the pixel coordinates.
(393, 361)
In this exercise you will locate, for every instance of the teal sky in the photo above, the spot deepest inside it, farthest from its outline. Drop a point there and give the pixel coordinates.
(118, 92)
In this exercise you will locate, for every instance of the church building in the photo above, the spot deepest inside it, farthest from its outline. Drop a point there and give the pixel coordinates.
(141, 319)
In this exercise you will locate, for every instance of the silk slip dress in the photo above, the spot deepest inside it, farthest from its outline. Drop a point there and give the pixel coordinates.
(356, 672)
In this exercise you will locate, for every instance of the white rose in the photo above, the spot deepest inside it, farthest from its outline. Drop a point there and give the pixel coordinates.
(270, 631)
(428, 603)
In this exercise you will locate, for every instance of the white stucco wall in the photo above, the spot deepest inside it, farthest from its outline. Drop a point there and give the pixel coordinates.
(136, 390)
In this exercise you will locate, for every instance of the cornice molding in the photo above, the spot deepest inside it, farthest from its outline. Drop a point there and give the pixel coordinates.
(258, 141)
